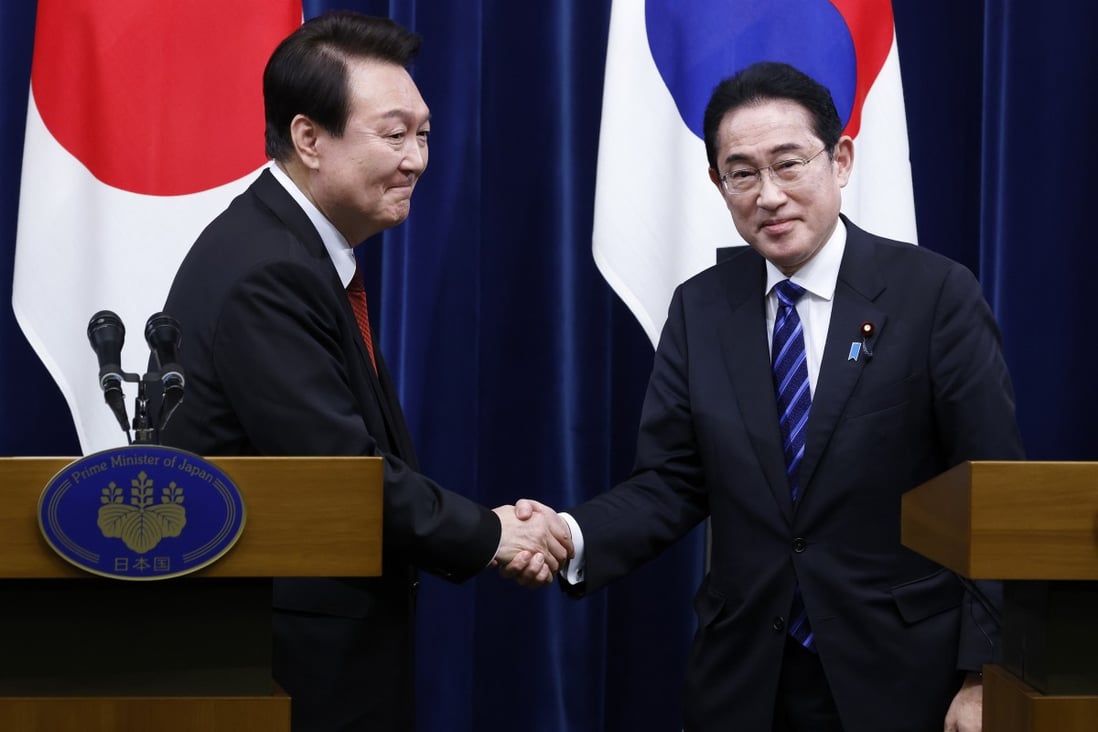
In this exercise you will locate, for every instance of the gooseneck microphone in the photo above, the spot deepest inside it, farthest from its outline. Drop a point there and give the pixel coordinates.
(107, 334)
(163, 335)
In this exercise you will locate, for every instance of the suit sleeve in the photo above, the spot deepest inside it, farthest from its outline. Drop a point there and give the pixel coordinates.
(975, 418)
(279, 353)
(665, 497)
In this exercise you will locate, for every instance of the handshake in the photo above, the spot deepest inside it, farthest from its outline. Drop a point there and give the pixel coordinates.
(534, 545)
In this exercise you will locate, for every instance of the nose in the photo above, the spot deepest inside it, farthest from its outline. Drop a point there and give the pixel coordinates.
(415, 155)
(770, 194)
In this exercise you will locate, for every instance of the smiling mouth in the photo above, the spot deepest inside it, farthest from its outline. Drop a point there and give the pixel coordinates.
(776, 225)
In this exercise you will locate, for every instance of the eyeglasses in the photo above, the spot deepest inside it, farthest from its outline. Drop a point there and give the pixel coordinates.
(784, 173)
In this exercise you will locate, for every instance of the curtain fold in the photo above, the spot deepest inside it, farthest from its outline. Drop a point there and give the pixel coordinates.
(1036, 253)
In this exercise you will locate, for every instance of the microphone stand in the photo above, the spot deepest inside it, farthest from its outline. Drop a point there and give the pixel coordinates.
(146, 431)
(143, 432)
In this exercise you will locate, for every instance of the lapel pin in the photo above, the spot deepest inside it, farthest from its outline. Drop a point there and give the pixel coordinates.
(857, 348)
(867, 330)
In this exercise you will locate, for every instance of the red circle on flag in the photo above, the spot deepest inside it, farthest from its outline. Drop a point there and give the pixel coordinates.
(161, 98)
(871, 27)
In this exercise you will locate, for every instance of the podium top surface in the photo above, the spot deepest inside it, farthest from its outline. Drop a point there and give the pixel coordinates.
(1008, 520)
(306, 517)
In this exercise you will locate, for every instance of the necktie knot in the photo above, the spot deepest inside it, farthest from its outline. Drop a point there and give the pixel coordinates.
(788, 292)
(355, 286)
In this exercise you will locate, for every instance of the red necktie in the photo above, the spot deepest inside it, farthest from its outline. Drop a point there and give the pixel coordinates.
(356, 293)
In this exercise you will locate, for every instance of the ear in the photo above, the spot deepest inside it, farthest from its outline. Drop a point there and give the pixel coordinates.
(716, 178)
(305, 133)
(843, 159)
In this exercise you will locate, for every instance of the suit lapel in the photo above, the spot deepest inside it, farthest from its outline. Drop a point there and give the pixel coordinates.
(282, 205)
(858, 286)
(373, 389)
(399, 438)
(746, 354)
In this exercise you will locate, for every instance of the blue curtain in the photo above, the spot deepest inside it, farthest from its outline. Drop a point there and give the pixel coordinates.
(1036, 256)
(521, 373)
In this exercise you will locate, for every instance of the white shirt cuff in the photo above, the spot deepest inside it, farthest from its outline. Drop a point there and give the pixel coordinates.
(574, 575)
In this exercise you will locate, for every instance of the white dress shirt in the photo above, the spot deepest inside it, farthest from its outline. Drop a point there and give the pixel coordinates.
(818, 276)
(339, 251)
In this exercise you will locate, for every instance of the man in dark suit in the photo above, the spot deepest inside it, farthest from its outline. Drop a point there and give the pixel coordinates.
(813, 616)
(280, 360)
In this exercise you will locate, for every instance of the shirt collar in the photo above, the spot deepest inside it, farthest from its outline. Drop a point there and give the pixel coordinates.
(820, 273)
(339, 251)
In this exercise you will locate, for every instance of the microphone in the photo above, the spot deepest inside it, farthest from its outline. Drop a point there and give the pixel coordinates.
(106, 335)
(163, 335)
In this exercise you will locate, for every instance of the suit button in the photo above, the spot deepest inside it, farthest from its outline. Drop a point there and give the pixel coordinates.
(799, 545)
(779, 624)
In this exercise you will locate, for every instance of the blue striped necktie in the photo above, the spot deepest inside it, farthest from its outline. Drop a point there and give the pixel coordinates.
(794, 401)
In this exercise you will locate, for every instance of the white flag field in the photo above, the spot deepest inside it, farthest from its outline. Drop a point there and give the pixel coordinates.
(658, 218)
(144, 121)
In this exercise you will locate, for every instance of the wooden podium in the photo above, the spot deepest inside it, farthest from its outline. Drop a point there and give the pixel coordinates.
(87, 654)
(1035, 526)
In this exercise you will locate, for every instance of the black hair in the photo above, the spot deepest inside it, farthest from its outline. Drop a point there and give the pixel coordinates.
(769, 80)
(307, 73)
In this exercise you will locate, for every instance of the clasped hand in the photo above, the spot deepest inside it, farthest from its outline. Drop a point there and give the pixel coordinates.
(535, 543)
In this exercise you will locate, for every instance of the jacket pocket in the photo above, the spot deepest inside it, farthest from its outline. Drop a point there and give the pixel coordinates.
(922, 598)
(875, 398)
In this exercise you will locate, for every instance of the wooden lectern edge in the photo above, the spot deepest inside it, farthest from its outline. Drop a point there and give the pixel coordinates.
(936, 519)
(1024, 520)
(345, 541)
(165, 714)
(1011, 705)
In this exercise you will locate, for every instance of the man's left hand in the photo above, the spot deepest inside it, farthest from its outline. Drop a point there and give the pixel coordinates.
(966, 713)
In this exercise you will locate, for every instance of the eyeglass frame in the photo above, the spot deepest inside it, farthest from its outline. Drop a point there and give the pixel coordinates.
(777, 181)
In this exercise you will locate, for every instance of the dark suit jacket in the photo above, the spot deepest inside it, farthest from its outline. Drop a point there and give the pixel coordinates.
(891, 627)
(275, 365)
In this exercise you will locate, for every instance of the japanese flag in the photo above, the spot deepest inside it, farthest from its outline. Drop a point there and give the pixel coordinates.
(144, 120)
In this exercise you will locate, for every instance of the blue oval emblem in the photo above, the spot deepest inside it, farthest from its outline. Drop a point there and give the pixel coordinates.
(142, 512)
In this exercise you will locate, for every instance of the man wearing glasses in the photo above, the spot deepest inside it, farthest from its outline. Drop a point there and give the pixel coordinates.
(798, 390)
